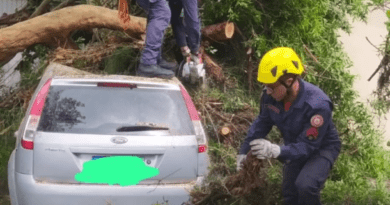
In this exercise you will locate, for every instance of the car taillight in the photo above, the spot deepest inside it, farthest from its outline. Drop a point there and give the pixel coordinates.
(199, 131)
(117, 85)
(35, 115)
(202, 148)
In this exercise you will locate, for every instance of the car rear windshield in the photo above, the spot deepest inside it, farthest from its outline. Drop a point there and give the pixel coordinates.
(105, 110)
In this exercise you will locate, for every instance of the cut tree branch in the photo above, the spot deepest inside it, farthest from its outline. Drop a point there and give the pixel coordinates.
(249, 53)
(218, 32)
(310, 54)
(63, 4)
(40, 9)
(212, 68)
(372, 44)
(384, 61)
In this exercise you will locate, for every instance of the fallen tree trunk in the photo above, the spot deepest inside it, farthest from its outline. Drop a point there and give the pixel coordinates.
(54, 28)
(218, 32)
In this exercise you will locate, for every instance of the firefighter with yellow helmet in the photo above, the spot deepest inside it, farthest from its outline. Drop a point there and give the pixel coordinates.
(303, 114)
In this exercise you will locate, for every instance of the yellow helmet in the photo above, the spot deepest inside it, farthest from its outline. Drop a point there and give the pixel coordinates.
(277, 62)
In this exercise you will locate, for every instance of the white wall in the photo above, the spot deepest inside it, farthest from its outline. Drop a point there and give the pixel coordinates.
(9, 77)
(365, 58)
(9, 6)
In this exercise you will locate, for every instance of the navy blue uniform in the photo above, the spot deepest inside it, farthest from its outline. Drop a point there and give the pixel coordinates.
(191, 26)
(159, 15)
(311, 141)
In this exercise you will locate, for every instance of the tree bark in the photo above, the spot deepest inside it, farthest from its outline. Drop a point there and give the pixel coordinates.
(212, 68)
(54, 28)
(218, 32)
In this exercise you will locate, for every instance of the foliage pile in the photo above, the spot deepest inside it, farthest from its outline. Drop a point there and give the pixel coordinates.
(86, 59)
(248, 181)
(96, 57)
(213, 109)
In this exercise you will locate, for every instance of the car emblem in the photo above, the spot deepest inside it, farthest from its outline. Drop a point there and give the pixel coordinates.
(119, 140)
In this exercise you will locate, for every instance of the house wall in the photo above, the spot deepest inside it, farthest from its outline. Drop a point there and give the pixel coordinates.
(9, 6)
(9, 77)
(365, 59)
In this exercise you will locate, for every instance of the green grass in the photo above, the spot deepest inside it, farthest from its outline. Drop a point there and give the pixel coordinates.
(5, 200)
(11, 118)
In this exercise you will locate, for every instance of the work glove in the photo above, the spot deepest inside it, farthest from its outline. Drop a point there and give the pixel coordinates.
(185, 51)
(240, 158)
(264, 149)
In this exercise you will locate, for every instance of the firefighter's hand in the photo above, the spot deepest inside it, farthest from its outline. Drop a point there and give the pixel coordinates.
(240, 158)
(185, 51)
(264, 149)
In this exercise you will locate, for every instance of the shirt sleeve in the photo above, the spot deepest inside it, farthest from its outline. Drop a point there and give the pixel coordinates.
(259, 128)
(310, 138)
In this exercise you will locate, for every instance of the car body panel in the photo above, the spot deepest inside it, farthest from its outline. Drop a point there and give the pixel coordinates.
(11, 179)
(31, 192)
(23, 160)
(59, 157)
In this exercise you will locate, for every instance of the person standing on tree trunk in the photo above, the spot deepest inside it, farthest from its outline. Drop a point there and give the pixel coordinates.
(303, 114)
(152, 64)
(189, 30)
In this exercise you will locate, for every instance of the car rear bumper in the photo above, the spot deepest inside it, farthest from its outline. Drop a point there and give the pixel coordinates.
(31, 192)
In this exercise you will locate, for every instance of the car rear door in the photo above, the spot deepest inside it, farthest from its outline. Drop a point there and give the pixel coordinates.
(84, 120)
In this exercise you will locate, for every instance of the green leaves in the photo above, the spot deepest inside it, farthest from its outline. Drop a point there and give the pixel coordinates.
(268, 24)
(242, 12)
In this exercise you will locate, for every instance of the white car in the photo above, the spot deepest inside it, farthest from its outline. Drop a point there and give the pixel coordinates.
(73, 120)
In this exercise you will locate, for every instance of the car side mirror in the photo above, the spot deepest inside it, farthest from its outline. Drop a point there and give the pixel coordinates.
(16, 134)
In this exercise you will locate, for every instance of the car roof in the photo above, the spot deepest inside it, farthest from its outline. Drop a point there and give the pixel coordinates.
(57, 72)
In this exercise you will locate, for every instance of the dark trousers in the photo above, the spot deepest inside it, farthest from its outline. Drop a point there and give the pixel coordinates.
(303, 181)
(159, 15)
(191, 26)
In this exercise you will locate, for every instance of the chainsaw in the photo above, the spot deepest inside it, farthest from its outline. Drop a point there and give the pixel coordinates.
(192, 72)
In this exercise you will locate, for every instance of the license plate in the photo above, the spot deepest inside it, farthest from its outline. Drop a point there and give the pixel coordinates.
(97, 157)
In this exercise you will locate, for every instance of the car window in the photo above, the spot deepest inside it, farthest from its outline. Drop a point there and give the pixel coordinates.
(102, 110)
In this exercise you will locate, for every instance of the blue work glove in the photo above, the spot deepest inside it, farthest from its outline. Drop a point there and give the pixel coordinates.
(264, 149)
